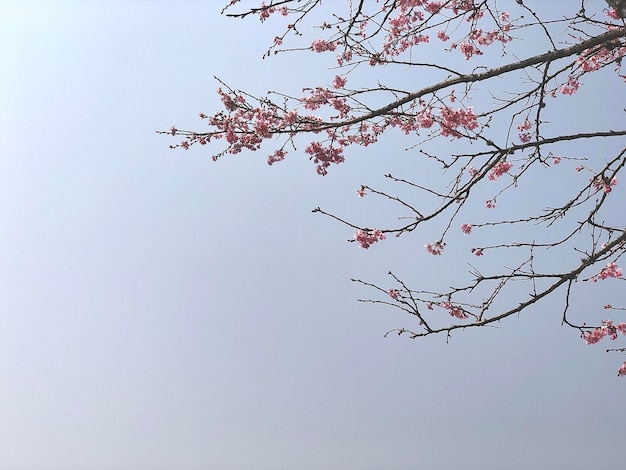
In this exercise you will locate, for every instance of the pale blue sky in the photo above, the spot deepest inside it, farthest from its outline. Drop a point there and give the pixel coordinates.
(161, 311)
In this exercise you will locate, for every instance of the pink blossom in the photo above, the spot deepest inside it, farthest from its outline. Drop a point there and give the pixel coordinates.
(603, 183)
(433, 7)
(442, 35)
(346, 56)
(393, 293)
(523, 128)
(320, 45)
(571, 87)
(265, 11)
(339, 82)
(436, 249)
(367, 238)
(621, 372)
(323, 156)
(556, 160)
(472, 171)
(452, 120)
(490, 204)
(277, 156)
(466, 228)
(361, 192)
(477, 251)
(593, 59)
(499, 169)
(454, 311)
(468, 50)
(611, 270)
(606, 329)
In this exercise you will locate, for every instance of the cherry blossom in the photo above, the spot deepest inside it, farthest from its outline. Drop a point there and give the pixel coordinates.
(500, 169)
(328, 123)
(367, 238)
(436, 249)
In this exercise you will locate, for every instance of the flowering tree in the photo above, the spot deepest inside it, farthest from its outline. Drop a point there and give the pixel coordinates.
(506, 127)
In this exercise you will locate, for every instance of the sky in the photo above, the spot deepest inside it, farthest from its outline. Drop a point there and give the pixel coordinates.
(162, 311)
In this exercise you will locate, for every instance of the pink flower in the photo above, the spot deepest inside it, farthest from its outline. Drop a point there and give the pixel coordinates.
(490, 204)
(361, 192)
(339, 82)
(500, 169)
(451, 120)
(556, 160)
(367, 239)
(611, 270)
(319, 45)
(606, 329)
(442, 35)
(393, 293)
(622, 370)
(523, 128)
(436, 249)
(466, 228)
(468, 50)
(454, 311)
(277, 156)
(477, 251)
(571, 87)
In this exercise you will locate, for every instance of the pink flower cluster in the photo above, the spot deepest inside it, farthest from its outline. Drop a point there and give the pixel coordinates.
(592, 60)
(523, 128)
(454, 311)
(601, 183)
(452, 120)
(367, 238)
(323, 156)
(606, 329)
(277, 156)
(393, 293)
(570, 87)
(266, 11)
(436, 249)
(319, 97)
(610, 270)
(339, 82)
(499, 169)
(320, 45)
(466, 228)
(407, 29)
